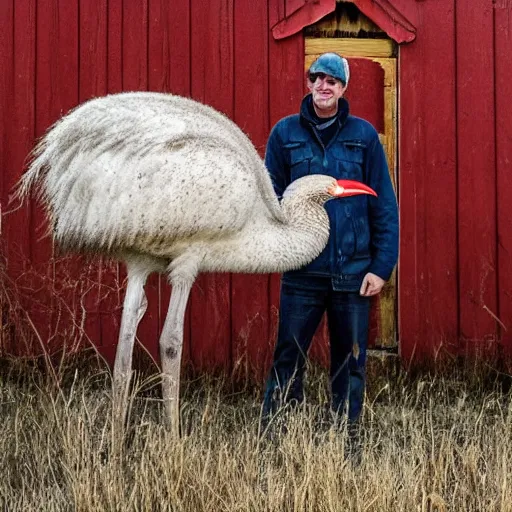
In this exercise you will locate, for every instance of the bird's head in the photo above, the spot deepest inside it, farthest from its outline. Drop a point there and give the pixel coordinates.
(320, 188)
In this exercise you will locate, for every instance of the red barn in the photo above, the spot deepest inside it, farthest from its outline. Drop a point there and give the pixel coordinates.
(431, 76)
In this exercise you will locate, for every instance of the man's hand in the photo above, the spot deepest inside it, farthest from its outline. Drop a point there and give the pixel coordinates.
(372, 285)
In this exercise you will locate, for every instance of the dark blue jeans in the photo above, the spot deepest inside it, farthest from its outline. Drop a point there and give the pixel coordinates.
(303, 303)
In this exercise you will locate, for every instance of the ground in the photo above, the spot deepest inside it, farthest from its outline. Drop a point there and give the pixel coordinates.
(429, 442)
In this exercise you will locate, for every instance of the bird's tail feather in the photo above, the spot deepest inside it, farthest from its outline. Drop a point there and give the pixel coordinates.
(32, 180)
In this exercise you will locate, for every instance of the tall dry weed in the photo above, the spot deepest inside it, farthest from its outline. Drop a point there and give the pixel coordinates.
(428, 444)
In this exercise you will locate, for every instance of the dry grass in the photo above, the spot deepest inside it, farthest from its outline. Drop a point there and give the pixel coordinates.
(430, 444)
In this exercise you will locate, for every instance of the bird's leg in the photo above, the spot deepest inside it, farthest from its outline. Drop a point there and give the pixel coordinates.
(171, 344)
(134, 307)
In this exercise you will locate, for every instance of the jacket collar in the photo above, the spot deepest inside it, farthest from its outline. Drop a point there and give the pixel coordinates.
(306, 109)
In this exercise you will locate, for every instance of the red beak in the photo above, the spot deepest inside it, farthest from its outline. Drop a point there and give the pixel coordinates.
(346, 188)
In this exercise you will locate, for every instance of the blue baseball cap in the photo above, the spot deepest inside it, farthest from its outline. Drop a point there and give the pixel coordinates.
(332, 64)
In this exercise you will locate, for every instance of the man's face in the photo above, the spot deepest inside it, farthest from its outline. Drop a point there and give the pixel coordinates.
(326, 91)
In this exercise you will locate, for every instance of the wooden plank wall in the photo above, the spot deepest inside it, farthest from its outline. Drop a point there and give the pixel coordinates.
(455, 145)
(455, 136)
(503, 124)
(428, 301)
(212, 72)
(66, 52)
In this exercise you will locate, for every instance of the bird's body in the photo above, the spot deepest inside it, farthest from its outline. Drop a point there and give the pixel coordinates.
(119, 167)
(168, 184)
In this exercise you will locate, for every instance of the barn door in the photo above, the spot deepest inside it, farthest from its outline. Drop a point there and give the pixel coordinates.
(372, 94)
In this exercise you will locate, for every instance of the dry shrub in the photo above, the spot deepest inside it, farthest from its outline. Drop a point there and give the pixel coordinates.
(53, 307)
(429, 443)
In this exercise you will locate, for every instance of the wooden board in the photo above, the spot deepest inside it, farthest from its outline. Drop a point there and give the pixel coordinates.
(387, 16)
(19, 139)
(6, 83)
(298, 14)
(428, 297)
(250, 294)
(93, 63)
(115, 46)
(92, 83)
(476, 182)
(212, 64)
(169, 47)
(135, 45)
(293, 5)
(503, 79)
(349, 47)
(56, 93)
(7, 88)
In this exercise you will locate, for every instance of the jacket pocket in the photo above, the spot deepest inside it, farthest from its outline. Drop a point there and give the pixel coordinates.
(350, 160)
(300, 156)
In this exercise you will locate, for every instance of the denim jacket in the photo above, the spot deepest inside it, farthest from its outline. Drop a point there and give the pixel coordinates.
(364, 229)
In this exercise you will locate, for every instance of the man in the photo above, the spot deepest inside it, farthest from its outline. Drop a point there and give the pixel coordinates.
(363, 244)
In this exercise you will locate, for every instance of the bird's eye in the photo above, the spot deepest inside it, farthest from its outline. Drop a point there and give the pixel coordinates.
(333, 189)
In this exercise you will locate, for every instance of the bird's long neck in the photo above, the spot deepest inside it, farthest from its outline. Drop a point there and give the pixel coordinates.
(270, 245)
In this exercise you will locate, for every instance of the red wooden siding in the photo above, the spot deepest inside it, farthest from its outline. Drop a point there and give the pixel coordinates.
(455, 135)
(212, 72)
(477, 177)
(20, 114)
(503, 123)
(92, 62)
(250, 294)
(455, 149)
(428, 274)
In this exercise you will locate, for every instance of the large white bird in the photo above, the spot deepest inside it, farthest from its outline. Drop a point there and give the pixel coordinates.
(167, 184)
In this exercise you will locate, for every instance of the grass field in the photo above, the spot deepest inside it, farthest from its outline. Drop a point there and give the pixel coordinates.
(430, 444)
